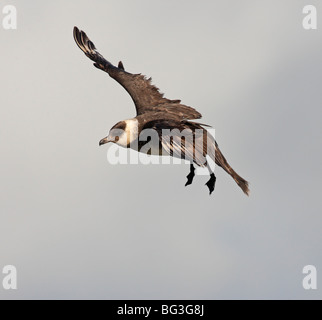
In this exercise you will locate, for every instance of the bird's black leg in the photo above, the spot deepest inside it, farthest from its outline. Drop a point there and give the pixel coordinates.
(211, 183)
(190, 175)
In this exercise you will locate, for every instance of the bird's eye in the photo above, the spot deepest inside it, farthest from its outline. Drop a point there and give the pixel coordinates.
(117, 138)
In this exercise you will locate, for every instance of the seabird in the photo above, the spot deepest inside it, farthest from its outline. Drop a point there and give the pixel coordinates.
(155, 112)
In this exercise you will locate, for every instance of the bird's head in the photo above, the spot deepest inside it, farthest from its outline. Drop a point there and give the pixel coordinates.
(123, 133)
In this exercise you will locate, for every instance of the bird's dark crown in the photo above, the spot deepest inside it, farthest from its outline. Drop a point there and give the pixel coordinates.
(120, 125)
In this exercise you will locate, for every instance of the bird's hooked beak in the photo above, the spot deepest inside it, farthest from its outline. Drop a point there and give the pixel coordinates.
(104, 140)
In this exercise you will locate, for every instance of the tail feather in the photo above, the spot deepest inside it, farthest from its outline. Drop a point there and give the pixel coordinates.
(243, 184)
(221, 161)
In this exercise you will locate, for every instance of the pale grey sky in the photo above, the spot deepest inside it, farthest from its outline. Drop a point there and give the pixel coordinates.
(77, 227)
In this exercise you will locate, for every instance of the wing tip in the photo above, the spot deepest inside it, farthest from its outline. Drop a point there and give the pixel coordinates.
(78, 38)
(82, 41)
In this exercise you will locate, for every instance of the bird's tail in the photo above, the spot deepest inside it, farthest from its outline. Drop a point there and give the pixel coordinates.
(243, 184)
(221, 161)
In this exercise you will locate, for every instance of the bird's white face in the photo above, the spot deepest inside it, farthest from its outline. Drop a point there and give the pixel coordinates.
(123, 133)
(129, 134)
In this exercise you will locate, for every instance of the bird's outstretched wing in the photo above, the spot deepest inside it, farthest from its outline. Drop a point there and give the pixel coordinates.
(145, 96)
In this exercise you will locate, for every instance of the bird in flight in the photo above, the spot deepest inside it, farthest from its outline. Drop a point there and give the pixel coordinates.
(167, 118)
